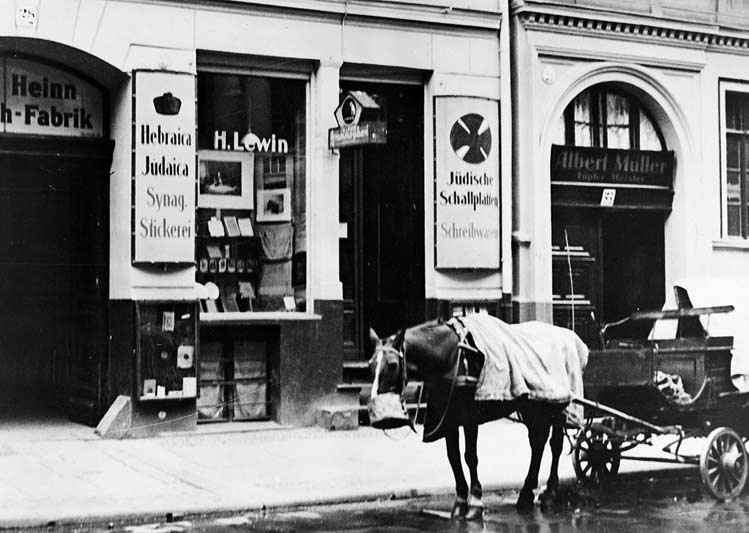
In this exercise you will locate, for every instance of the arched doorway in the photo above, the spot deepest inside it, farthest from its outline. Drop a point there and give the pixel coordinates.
(55, 160)
(611, 191)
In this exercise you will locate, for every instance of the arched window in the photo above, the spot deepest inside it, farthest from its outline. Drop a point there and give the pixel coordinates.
(605, 116)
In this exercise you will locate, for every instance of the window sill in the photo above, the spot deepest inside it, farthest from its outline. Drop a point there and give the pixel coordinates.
(251, 317)
(731, 244)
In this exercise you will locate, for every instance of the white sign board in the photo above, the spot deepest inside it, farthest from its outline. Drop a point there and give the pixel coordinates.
(467, 181)
(44, 100)
(164, 169)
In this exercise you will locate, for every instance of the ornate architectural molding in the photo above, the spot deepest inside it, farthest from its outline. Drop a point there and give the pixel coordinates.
(636, 28)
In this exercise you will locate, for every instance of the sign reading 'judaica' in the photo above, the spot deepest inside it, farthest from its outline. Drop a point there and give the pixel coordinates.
(467, 183)
(164, 169)
(579, 164)
(40, 99)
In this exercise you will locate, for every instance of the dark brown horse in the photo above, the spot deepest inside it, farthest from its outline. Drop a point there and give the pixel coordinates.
(430, 352)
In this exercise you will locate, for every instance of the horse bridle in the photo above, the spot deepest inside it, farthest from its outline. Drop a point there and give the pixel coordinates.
(401, 353)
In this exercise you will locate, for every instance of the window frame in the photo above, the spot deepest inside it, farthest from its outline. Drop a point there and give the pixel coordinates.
(599, 119)
(301, 70)
(725, 87)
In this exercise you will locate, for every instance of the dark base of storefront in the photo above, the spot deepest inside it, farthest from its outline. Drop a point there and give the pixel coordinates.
(304, 367)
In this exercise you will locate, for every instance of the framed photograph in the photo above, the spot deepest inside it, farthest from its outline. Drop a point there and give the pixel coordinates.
(273, 205)
(225, 179)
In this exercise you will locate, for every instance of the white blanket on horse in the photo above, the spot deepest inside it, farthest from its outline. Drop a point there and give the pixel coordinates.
(532, 359)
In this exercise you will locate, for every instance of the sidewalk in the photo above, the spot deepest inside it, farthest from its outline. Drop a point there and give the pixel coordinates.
(77, 478)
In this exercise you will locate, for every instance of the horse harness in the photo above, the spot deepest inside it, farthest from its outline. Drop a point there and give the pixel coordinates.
(470, 360)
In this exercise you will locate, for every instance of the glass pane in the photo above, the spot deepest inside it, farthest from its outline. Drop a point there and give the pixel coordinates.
(734, 220)
(733, 111)
(250, 400)
(732, 151)
(617, 110)
(649, 139)
(582, 135)
(582, 107)
(618, 137)
(211, 404)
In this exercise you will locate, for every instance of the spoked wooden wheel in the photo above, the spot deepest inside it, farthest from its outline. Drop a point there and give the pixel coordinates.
(723, 464)
(595, 457)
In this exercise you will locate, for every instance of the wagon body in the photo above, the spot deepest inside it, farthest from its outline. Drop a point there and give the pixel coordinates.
(682, 386)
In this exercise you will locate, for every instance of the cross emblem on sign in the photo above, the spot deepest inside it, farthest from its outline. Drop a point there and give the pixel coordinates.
(471, 138)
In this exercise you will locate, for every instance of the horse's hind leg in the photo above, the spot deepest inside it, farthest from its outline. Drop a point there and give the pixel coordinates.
(475, 505)
(555, 444)
(538, 433)
(452, 444)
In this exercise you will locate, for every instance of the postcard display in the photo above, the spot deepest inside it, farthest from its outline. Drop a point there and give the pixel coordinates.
(250, 231)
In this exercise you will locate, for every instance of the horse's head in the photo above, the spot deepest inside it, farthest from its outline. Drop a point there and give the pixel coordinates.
(388, 366)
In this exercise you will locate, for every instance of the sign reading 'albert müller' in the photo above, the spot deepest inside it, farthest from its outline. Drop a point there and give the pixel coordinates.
(605, 166)
(164, 170)
(467, 232)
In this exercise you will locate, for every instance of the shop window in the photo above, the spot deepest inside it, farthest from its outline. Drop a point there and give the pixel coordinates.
(604, 116)
(736, 161)
(251, 235)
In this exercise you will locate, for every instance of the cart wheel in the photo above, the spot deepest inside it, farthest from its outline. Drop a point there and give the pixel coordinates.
(723, 464)
(595, 457)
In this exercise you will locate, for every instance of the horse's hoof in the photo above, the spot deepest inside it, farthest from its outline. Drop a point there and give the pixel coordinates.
(460, 509)
(547, 500)
(525, 502)
(474, 513)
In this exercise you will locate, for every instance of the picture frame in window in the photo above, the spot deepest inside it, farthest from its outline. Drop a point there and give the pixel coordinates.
(273, 205)
(225, 179)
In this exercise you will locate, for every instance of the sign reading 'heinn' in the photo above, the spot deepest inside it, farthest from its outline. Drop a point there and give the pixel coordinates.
(43, 100)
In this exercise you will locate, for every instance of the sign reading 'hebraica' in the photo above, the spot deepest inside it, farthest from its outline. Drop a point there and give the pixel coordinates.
(43, 100)
(467, 232)
(164, 214)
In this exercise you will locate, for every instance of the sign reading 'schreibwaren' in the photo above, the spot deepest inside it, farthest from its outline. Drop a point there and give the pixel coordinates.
(580, 164)
(164, 168)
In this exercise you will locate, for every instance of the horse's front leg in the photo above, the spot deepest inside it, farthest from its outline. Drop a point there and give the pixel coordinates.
(475, 505)
(538, 433)
(452, 443)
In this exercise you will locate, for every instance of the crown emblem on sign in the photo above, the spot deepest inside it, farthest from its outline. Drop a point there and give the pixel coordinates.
(167, 104)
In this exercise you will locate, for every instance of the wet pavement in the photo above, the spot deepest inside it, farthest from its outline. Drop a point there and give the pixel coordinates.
(670, 502)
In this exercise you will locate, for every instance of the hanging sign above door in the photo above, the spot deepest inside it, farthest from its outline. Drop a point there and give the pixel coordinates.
(164, 168)
(39, 99)
(358, 117)
(467, 210)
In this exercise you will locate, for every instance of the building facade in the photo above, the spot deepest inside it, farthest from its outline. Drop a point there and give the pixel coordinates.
(629, 170)
(190, 233)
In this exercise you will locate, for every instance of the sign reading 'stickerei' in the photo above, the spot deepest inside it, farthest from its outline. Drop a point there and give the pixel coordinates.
(164, 168)
(604, 166)
(467, 183)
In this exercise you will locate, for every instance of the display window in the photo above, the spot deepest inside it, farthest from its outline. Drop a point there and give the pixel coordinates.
(251, 235)
(735, 159)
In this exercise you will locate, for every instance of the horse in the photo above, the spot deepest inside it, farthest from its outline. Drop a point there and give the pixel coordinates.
(432, 351)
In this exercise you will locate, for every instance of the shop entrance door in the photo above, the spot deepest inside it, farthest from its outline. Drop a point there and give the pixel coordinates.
(381, 203)
(606, 265)
(53, 277)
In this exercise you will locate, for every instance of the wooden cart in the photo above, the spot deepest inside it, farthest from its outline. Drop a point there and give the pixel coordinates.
(626, 403)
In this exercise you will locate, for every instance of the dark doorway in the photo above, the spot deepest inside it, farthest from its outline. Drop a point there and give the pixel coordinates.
(53, 277)
(382, 205)
(606, 265)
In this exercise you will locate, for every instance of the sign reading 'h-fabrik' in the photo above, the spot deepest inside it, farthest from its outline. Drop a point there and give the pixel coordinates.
(43, 100)
(164, 169)
(467, 233)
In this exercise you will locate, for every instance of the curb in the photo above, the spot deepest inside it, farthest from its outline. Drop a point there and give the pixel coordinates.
(108, 521)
